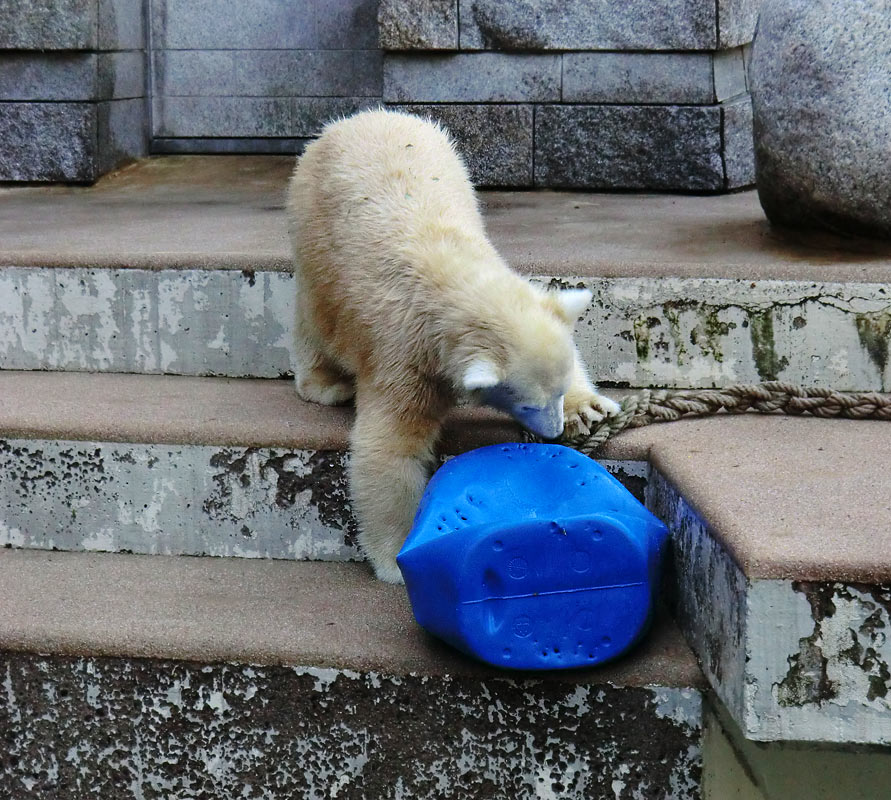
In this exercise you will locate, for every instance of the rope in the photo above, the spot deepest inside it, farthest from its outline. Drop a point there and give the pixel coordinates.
(666, 405)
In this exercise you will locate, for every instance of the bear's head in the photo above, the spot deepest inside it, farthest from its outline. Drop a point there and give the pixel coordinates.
(528, 370)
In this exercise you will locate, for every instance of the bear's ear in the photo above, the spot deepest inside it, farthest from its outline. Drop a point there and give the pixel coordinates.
(481, 373)
(570, 303)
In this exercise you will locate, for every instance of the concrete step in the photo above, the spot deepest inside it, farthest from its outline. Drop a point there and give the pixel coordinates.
(181, 265)
(133, 676)
(780, 563)
(190, 466)
(781, 530)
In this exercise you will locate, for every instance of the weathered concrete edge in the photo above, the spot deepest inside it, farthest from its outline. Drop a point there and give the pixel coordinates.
(879, 271)
(189, 500)
(710, 592)
(272, 612)
(702, 332)
(193, 500)
(312, 731)
(820, 676)
(791, 660)
(819, 662)
(680, 332)
(232, 262)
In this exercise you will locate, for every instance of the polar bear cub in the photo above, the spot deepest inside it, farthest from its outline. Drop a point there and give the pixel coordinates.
(404, 302)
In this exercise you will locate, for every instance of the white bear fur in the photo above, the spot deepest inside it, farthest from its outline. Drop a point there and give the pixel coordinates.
(404, 302)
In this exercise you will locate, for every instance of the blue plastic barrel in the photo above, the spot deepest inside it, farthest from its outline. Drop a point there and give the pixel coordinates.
(532, 556)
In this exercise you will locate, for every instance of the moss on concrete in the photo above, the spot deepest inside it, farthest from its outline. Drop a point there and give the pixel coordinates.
(764, 353)
(874, 331)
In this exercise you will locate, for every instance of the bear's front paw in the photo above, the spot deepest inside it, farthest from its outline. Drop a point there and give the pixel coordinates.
(388, 573)
(581, 411)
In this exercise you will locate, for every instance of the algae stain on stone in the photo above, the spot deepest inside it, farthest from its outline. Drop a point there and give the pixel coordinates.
(709, 331)
(672, 311)
(767, 363)
(641, 330)
(874, 331)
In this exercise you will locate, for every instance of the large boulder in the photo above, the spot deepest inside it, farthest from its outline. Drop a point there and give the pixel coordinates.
(821, 89)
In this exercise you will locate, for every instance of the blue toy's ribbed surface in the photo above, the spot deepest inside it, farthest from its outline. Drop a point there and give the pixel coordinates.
(532, 557)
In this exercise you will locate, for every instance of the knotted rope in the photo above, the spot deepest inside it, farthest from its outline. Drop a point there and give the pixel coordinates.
(666, 405)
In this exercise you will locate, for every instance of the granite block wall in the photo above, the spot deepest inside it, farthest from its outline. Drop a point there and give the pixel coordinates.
(556, 93)
(72, 88)
(550, 93)
(259, 75)
(587, 120)
(583, 25)
(496, 139)
(566, 25)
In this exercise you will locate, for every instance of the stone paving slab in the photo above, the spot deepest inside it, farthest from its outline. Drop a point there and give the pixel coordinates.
(174, 410)
(211, 212)
(793, 498)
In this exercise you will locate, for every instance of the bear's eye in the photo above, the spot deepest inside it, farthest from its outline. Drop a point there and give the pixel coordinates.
(527, 409)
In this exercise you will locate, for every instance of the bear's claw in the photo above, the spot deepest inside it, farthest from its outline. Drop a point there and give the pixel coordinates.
(581, 413)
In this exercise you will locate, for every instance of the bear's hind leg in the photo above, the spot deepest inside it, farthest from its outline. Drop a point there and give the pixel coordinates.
(391, 460)
(320, 381)
(316, 377)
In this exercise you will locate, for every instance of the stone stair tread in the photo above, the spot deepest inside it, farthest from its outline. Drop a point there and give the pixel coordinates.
(792, 498)
(215, 610)
(789, 498)
(168, 409)
(226, 212)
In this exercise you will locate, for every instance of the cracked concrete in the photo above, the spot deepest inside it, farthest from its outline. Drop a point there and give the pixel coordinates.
(824, 668)
(675, 332)
(681, 332)
(182, 322)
